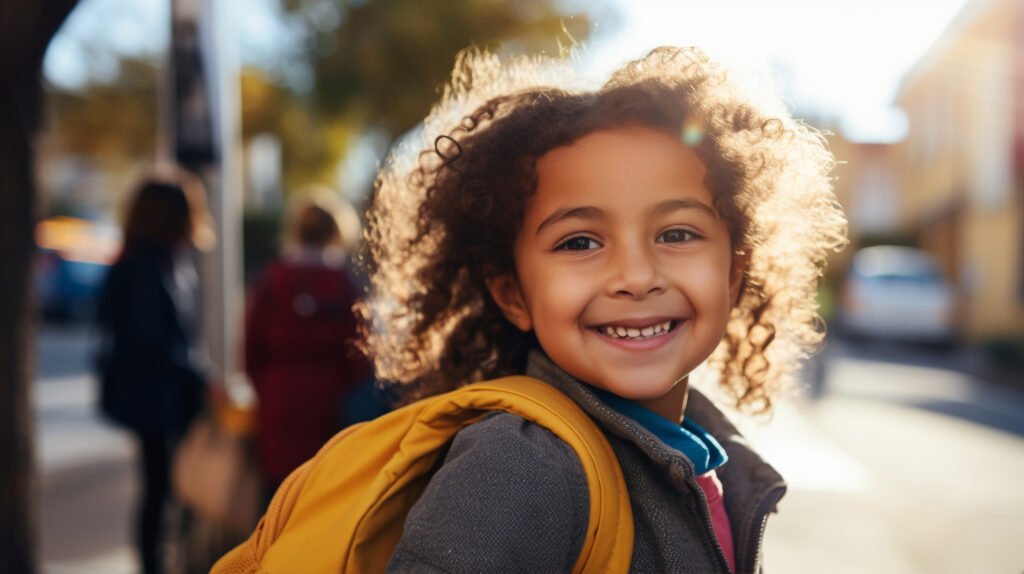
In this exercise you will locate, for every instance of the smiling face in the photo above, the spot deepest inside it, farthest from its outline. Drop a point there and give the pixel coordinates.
(624, 269)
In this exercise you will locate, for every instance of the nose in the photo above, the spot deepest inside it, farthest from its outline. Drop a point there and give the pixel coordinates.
(635, 273)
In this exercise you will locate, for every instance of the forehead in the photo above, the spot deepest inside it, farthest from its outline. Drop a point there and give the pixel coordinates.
(622, 169)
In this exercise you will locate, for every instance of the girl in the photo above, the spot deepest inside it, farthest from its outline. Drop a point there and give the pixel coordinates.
(616, 243)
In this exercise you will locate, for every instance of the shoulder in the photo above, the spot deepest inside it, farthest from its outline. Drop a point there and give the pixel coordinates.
(276, 276)
(277, 270)
(139, 273)
(521, 441)
(506, 453)
(138, 258)
(508, 493)
(283, 270)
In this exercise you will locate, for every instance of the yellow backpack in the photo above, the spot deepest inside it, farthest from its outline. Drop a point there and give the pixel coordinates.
(362, 483)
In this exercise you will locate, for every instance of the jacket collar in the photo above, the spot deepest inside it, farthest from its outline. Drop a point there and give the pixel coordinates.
(698, 409)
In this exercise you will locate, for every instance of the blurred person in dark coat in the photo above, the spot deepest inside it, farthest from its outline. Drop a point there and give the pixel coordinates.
(148, 318)
(299, 336)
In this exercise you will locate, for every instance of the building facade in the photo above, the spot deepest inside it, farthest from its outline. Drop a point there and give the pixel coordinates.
(960, 170)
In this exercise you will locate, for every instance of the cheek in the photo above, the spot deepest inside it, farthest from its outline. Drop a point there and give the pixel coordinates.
(555, 293)
(707, 284)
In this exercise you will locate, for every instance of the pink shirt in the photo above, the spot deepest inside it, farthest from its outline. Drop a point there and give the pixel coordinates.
(712, 488)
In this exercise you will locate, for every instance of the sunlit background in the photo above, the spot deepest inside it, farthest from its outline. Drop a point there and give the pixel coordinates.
(904, 447)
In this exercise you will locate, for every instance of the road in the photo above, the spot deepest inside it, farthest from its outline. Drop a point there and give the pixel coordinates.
(903, 465)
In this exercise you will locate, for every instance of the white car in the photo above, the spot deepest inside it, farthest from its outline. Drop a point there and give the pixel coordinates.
(897, 293)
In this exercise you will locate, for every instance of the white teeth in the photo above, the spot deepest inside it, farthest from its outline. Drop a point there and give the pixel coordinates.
(634, 333)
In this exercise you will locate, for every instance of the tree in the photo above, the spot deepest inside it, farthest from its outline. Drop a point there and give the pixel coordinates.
(115, 119)
(380, 65)
(311, 142)
(388, 59)
(25, 30)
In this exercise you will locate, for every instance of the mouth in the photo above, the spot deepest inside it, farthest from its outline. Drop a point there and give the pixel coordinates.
(637, 330)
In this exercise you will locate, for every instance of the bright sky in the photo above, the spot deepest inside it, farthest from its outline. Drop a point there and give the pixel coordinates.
(834, 58)
(839, 58)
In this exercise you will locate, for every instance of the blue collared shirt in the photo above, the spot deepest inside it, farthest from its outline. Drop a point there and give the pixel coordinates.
(689, 438)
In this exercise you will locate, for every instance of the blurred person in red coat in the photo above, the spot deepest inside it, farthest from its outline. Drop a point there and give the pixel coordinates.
(299, 335)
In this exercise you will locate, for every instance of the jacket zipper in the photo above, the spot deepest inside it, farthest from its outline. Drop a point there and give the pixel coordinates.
(756, 530)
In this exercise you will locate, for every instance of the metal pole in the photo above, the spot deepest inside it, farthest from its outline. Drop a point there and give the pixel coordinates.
(207, 132)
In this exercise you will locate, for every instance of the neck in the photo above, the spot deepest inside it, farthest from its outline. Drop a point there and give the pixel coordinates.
(671, 405)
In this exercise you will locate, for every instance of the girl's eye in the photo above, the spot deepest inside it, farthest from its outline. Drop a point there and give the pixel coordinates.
(577, 244)
(676, 236)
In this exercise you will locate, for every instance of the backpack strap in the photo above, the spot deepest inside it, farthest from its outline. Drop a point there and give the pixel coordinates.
(608, 546)
(344, 510)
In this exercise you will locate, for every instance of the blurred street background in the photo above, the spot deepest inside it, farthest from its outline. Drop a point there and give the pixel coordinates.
(904, 447)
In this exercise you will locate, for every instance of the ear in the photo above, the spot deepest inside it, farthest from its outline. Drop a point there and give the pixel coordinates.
(508, 295)
(737, 276)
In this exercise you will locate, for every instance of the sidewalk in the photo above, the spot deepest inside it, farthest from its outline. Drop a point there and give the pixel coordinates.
(87, 482)
(880, 473)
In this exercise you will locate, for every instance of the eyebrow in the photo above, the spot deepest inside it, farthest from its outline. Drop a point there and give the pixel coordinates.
(585, 212)
(671, 205)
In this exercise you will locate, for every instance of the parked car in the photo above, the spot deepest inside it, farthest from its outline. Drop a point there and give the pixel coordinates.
(73, 259)
(897, 293)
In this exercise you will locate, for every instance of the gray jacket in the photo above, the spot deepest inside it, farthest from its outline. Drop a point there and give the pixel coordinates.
(512, 497)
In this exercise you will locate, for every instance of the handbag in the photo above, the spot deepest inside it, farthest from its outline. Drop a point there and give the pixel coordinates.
(215, 476)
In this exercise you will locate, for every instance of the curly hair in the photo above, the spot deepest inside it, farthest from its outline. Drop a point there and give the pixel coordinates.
(444, 220)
